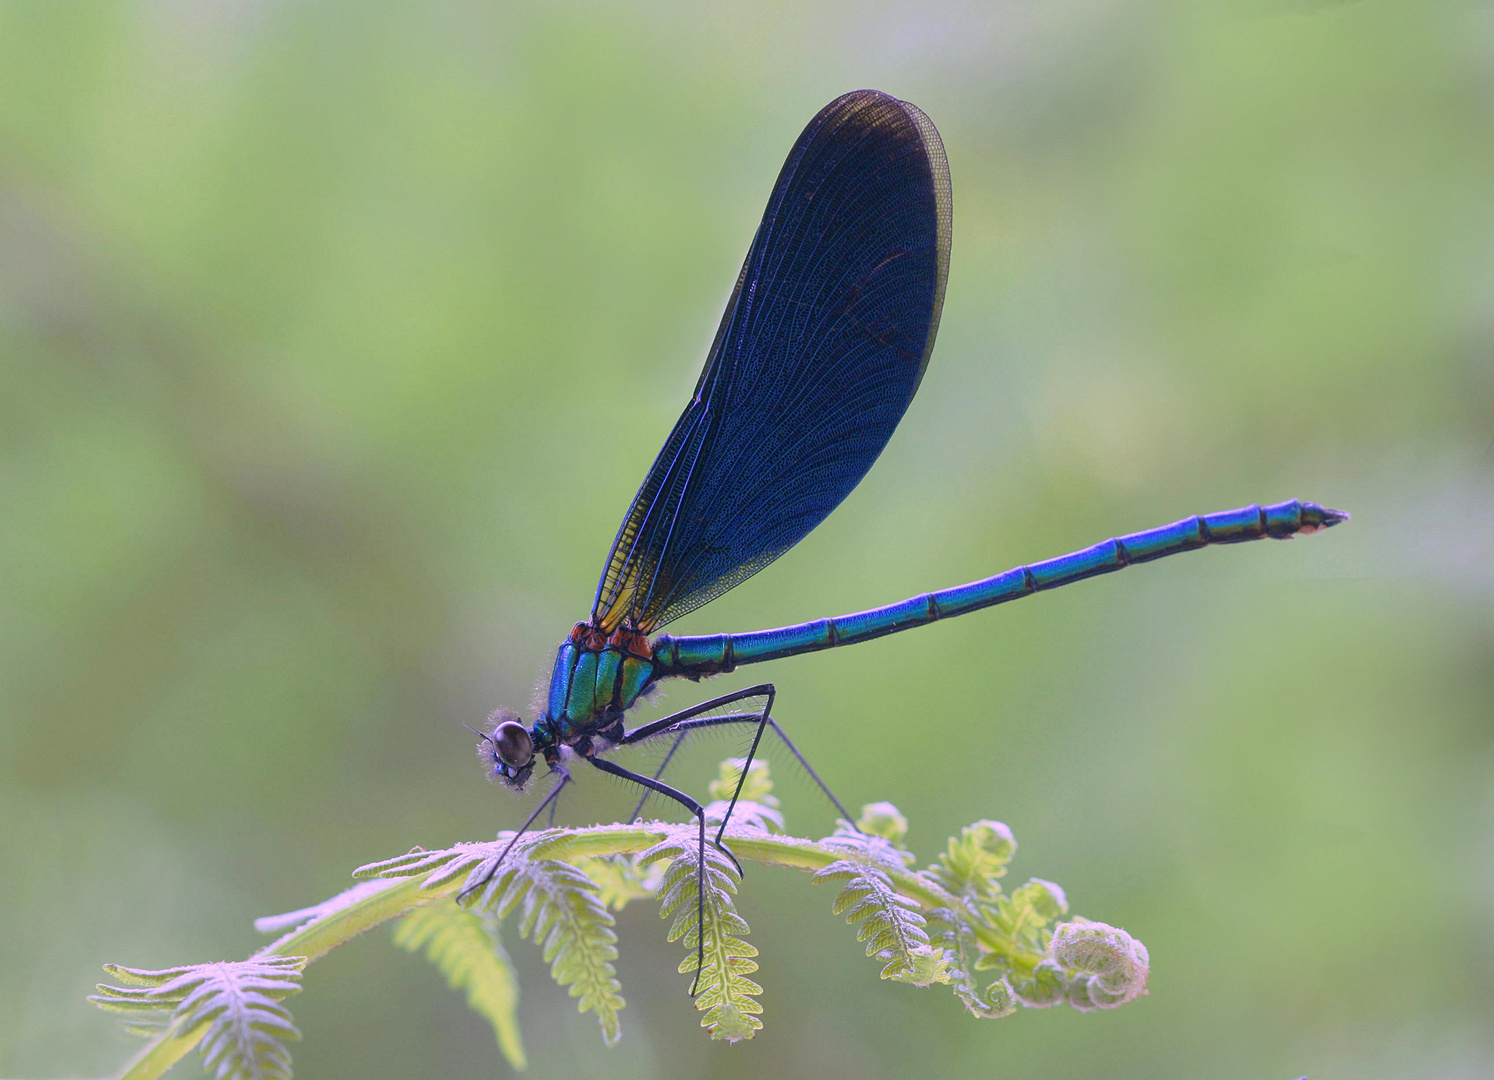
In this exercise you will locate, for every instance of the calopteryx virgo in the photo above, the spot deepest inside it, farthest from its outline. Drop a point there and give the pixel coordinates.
(822, 346)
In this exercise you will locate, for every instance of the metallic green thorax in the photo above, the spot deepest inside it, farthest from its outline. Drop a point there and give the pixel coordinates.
(597, 678)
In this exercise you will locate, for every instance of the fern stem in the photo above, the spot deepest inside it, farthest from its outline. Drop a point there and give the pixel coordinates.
(162, 1052)
(321, 936)
(810, 855)
(573, 844)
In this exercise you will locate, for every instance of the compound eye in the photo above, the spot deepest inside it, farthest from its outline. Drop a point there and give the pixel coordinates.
(514, 746)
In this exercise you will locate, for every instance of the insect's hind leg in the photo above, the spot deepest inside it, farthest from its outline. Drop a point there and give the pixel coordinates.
(678, 722)
(757, 737)
(683, 723)
(638, 810)
(844, 813)
(668, 723)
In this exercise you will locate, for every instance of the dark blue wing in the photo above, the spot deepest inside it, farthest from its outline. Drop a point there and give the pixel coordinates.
(822, 346)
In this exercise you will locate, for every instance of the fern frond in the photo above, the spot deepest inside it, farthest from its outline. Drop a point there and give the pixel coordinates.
(1023, 917)
(439, 867)
(973, 861)
(943, 924)
(442, 867)
(892, 924)
(723, 991)
(467, 952)
(1106, 966)
(561, 910)
(238, 1001)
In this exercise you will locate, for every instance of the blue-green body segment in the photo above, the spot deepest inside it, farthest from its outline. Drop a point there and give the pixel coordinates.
(598, 676)
(596, 679)
(714, 653)
(819, 353)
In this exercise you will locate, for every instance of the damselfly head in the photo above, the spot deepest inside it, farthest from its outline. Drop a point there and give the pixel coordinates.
(508, 751)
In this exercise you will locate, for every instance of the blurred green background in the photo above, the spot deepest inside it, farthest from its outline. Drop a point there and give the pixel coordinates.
(335, 338)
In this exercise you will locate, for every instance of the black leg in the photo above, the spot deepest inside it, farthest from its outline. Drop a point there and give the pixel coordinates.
(638, 810)
(763, 720)
(699, 812)
(547, 801)
(757, 737)
(682, 721)
(804, 763)
(678, 722)
(659, 727)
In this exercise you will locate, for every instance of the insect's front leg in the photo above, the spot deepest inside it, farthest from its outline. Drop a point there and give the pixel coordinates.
(549, 800)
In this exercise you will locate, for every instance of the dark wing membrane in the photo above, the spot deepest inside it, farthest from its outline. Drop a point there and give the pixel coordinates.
(822, 346)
